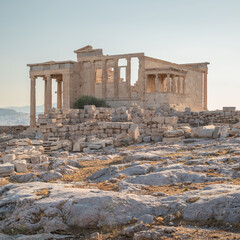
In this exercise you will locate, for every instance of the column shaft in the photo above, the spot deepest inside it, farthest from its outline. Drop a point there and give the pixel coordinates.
(45, 95)
(93, 79)
(104, 79)
(205, 90)
(49, 92)
(146, 83)
(141, 75)
(156, 83)
(168, 83)
(173, 84)
(178, 85)
(66, 90)
(33, 102)
(116, 79)
(128, 77)
(59, 94)
(184, 85)
(161, 89)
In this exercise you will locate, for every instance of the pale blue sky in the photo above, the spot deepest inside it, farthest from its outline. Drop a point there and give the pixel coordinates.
(180, 31)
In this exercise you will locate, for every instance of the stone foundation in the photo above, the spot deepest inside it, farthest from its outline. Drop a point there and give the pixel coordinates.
(14, 130)
(102, 123)
(208, 117)
(132, 124)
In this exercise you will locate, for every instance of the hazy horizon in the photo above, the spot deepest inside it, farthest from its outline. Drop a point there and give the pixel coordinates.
(177, 31)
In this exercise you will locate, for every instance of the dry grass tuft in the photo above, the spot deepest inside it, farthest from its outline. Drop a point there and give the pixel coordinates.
(4, 181)
(181, 188)
(160, 220)
(90, 167)
(222, 152)
(44, 192)
(105, 186)
(192, 200)
(179, 215)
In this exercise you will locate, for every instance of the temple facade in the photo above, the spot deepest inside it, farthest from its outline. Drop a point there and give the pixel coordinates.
(109, 77)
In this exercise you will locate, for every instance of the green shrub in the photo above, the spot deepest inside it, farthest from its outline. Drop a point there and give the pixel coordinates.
(89, 100)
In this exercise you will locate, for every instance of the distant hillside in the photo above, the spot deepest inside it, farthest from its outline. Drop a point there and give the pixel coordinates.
(4, 111)
(26, 109)
(10, 117)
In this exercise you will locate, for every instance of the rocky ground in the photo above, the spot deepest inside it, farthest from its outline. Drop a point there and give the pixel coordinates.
(184, 190)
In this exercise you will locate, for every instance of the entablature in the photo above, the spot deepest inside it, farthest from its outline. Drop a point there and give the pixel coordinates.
(167, 71)
(110, 57)
(52, 65)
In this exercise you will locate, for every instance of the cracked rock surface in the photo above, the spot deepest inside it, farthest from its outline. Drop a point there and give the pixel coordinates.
(184, 190)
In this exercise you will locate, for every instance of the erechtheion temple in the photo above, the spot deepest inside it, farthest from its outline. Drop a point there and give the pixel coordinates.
(157, 82)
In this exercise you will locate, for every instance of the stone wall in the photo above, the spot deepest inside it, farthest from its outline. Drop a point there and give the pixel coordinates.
(74, 116)
(155, 126)
(118, 123)
(14, 130)
(76, 131)
(73, 124)
(208, 117)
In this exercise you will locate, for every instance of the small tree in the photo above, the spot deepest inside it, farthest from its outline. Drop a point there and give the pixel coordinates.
(89, 100)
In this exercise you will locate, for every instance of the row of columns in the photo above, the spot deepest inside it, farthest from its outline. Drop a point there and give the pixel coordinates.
(116, 78)
(173, 85)
(47, 96)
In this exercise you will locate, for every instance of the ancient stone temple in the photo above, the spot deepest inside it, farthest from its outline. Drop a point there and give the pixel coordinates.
(109, 77)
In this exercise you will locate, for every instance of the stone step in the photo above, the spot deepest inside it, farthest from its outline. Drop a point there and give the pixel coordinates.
(53, 139)
(30, 132)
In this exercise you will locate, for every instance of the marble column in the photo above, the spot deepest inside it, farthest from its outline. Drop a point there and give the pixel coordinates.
(168, 83)
(49, 92)
(184, 85)
(205, 91)
(33, 102)
(156, 83)
(146, 83)
(93, 79)
(59, 94)
(45, 94)
(104, 79)
(173, 84)
(116, 79)
(161, 83)
(178, 85)
(66, 90)
(128, 76)
(141, 75)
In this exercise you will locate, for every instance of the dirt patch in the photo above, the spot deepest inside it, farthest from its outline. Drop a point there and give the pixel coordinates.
(4, 181)
(43, 193)
(90, 167)
(181, 188)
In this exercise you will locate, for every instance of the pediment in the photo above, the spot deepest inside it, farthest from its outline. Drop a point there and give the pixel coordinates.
(87, 48)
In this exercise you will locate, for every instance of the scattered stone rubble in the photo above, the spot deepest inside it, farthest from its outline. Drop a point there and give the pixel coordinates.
(120, 174)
